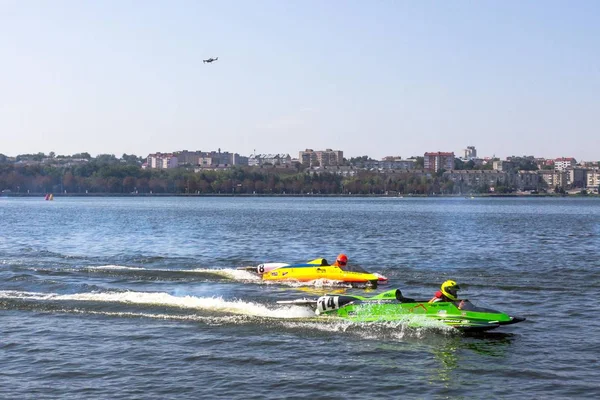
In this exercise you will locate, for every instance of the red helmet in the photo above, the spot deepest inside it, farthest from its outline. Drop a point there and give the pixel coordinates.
(342, 259)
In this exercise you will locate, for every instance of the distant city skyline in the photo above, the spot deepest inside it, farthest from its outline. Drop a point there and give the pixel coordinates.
(470, 153)
(378, 79)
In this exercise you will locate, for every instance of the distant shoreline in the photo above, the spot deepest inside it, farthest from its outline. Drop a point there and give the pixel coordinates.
(133, 195)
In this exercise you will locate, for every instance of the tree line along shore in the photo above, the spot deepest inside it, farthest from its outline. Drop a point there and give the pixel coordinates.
(98, 177)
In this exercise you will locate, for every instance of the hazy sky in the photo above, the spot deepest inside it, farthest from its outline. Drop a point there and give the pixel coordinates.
(370, 78)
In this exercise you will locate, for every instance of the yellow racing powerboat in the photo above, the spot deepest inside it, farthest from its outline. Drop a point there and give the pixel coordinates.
(317, 269)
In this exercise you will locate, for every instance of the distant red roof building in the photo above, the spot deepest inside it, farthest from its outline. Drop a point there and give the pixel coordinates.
(561, 164)
(565, 159)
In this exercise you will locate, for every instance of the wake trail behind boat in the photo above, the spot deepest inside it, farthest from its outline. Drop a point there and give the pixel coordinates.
(161, 273)
(209, 274)
(230, 311)
(217, 304)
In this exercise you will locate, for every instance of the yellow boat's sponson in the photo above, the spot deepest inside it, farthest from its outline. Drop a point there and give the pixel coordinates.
(314, 270)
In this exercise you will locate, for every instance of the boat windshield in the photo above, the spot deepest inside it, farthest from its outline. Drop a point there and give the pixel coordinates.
(353, 268)
(467, 305)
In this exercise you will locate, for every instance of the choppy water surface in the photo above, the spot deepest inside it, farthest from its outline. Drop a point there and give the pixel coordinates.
(140, 298)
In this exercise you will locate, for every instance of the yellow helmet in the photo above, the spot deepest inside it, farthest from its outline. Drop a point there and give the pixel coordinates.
(450, 289)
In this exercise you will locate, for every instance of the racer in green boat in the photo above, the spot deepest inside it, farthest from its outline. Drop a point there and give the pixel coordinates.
(448, 292)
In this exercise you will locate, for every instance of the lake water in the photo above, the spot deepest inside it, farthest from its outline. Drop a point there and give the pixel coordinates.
(140, 298)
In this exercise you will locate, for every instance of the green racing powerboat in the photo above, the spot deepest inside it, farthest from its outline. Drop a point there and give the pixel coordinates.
(392, 306)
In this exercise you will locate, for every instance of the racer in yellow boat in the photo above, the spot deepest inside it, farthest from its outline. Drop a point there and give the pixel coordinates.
(341, 261)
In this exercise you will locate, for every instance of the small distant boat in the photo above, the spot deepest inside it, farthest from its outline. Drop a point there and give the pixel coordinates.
(49, 196)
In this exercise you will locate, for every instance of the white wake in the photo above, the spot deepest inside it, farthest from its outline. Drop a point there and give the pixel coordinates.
(164, 299)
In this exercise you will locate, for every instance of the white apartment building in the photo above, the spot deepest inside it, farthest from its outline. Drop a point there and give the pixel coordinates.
(323, 158)
(593, 178)
(162, 161)
(205, 159)
(274, 159)
(470, 152)
(389, 163)
(561, 164)
(554, 178)
(499, 165)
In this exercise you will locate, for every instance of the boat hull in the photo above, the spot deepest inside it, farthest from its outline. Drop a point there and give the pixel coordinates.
(315, 270)
(312, 273)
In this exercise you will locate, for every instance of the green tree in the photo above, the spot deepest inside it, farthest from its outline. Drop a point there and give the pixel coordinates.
(420, 162)
(85, 156)
(69, 182)
(131, 159)
(128, 184)
(459, 164)
(106, 159)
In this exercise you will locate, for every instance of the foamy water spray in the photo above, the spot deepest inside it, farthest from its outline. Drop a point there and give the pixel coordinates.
(165, 299)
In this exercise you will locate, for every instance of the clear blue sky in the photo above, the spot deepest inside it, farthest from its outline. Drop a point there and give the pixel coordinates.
(371, 78)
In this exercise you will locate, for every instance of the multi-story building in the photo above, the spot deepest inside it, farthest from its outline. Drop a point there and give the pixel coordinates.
(210, 158)
(593, 179)
(324, 158)
(239, 160)
(577, 177)
(188, 157)
(553, 178)
(542, 162)
(162, 161)
(439, 160)
(330, 157)
(477, 162)
(589, 164)
(215, 158)
(203, 159)
(466, 179)
(390, 163)
(561, 164)
(499, 165)
(321, 158)
(470, 152)
(254, 160)
(308, 157)
(278, 159)
(527, 180)
(338, 170)
(397, 163)
(273, 159)
(207, 161)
